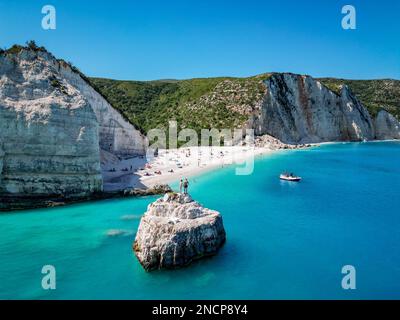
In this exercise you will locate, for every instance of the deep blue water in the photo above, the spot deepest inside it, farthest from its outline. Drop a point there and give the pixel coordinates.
(284, 240)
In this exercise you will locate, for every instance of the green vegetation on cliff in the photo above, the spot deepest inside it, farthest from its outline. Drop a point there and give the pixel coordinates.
(374, 94)
(15, 49)
(195, 103)
(220, 102)
(211, 102)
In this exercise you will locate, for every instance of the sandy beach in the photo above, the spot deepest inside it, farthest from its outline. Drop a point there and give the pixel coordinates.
(173, 164)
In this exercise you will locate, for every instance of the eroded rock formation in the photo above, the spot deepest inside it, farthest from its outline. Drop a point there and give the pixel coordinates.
(53, 125)
(387, 126)
(299, 109)
(116, 135)
(175, 231)
(48, 131)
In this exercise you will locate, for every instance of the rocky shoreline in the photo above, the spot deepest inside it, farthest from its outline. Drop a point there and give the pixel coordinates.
(9, 203)
(275, 144)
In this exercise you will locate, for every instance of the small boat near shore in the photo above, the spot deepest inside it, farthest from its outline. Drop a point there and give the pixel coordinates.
(290, 177)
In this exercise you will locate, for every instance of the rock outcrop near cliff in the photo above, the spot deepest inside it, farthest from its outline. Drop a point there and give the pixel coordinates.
(299, 109)
(53, 125)
(175, 231)
(387, 126)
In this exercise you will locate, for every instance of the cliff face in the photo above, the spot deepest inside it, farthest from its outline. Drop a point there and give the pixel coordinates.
(53, 125)
(48, 131)
(299, 109)
(116, 134)
(387, 126)
(290, 107)
(374, 94)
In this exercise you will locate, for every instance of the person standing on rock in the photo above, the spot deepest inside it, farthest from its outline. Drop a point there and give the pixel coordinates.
(180, 185)
(185, 186)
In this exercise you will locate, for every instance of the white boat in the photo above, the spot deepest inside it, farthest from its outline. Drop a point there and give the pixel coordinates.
(290, 177)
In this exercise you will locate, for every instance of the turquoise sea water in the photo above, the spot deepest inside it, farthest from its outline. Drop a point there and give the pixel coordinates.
(283, 240)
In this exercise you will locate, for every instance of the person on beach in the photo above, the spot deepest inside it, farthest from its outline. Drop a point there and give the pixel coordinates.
(185, 186)
(180, 185)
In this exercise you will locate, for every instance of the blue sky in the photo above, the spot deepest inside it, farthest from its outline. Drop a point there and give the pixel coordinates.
(145, 40)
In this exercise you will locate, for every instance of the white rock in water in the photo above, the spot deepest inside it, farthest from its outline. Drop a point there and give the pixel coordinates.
(175, 231)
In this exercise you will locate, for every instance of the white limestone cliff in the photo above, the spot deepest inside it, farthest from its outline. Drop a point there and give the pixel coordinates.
(299, 109)
(53, 125)
(387, 126)
(117, 135)
(48, 131)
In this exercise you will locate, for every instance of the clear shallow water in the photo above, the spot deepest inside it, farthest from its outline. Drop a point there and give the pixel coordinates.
(284, 240)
